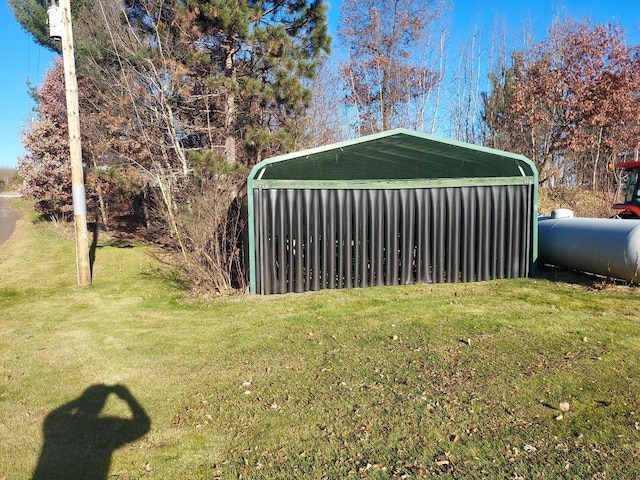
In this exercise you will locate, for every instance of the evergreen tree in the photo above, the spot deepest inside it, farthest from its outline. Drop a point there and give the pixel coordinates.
(252, 61)
(496, 115)
(33, 16)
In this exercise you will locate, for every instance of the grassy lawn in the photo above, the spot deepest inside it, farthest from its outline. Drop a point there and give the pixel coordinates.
(525, 378)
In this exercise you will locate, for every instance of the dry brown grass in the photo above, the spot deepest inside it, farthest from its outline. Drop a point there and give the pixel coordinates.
(583, 201)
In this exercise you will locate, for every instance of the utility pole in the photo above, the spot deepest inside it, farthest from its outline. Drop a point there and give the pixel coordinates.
(60, 25)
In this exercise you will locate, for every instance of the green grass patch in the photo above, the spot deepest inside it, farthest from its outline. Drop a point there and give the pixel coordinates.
(456, 381)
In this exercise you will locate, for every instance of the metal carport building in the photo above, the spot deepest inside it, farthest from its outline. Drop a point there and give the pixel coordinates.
(393, 208)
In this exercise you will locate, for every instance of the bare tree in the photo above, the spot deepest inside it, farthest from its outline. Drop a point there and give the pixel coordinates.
(386, 76)
(464, 99)
(326, 117)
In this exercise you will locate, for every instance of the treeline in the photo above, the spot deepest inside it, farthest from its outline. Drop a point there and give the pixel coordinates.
(179, 98)
(571, 104)
(7, 177)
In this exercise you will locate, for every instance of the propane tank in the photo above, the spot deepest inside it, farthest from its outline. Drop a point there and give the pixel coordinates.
(609, 247)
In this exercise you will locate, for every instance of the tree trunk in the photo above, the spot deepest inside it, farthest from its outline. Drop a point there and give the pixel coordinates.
(230, 110)
(595, 162)
(101, 203)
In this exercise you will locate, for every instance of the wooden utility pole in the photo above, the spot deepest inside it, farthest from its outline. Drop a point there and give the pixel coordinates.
(75, 149)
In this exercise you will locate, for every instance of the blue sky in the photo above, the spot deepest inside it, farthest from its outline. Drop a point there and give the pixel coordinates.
(22, 59)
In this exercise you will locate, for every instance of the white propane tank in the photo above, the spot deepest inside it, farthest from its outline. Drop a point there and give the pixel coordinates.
(609, 247)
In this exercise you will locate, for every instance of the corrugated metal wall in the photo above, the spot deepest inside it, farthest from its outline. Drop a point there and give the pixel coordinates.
(310, 239)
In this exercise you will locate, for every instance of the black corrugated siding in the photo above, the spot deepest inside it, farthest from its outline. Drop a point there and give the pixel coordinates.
(310, 239)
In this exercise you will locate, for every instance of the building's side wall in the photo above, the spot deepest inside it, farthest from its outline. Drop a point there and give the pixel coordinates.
(310, 239)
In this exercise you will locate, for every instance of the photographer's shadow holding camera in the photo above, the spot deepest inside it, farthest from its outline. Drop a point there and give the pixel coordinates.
(79, 442)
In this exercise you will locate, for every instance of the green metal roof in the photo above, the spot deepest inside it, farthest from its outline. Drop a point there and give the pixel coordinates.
(394, 155)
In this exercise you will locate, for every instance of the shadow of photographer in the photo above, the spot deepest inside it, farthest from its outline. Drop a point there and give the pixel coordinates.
(79, 441)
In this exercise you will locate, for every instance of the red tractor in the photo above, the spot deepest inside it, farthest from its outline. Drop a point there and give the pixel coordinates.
(631, 206)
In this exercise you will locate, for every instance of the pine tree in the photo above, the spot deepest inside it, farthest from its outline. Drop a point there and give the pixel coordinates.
(253, 61)
(496, 115)
(32, 16)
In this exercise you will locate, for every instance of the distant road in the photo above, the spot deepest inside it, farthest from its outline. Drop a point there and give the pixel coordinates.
(7, 219)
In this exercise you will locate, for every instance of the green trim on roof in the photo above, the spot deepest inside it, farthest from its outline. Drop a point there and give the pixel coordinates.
(390, 184)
